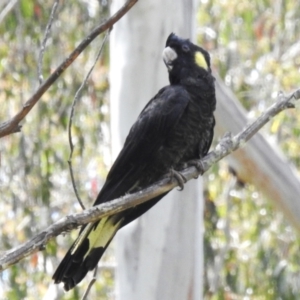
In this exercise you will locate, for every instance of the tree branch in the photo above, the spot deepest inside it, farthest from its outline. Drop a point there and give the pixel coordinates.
(5, 11)
(43, 45)
(227, 145)
(261, 162)
(12, 125)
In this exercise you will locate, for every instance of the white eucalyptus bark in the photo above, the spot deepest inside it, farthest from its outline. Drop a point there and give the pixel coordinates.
(159, 256)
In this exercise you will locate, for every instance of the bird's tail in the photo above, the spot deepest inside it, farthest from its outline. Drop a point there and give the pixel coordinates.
(86, 251)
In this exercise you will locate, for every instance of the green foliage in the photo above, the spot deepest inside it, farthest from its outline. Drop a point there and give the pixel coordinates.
(251, 251)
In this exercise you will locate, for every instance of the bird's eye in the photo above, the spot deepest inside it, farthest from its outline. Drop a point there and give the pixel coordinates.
(185, 48)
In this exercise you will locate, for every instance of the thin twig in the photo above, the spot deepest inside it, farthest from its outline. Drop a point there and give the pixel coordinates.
(93, 280)
(43, 46)
(12, 125)
(72, 115)
(225, 147)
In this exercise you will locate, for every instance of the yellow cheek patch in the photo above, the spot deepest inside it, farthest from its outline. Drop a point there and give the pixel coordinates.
(200, 60)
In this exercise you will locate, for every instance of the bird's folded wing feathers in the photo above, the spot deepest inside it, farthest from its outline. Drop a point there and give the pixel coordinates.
(146, 136)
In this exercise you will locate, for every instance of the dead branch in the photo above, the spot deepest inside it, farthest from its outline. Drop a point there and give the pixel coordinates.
(227, 145)
(13, 125)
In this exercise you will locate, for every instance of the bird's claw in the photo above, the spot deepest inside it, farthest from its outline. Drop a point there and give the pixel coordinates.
(181, 180)
(198, 165)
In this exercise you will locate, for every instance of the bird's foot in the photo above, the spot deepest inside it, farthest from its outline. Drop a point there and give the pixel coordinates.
(198, 165)
(181, 180)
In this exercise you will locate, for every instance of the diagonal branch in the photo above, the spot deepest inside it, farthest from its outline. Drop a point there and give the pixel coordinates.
(6, 10)
(12, 125)
(227, 145)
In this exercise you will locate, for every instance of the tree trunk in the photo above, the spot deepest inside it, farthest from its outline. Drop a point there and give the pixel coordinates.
(160, 256)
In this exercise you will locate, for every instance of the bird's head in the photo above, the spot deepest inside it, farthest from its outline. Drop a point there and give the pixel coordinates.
(185, 59)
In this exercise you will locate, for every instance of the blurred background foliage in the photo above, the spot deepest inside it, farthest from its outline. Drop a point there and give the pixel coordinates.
(34, 178)
(251, 252)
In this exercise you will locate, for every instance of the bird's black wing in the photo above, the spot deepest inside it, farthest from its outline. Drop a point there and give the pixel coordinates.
(145, 138)
(147, 135)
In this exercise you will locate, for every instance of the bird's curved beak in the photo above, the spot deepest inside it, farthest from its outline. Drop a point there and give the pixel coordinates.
(169, 55)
